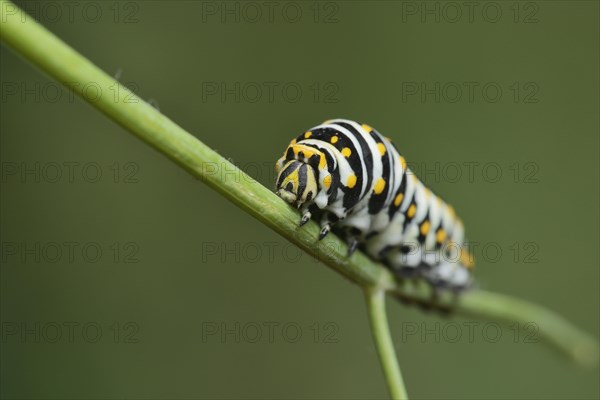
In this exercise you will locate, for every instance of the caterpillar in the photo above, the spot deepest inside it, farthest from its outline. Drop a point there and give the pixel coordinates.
(353, 180)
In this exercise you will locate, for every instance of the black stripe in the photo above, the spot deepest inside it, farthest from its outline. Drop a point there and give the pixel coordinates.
(301, 181)
(402, 189)
(284, 173)
(289, 154)
(438, 245)
(421, 238)
(377, 201)
(365, 151)
(407, 219)
(335, 173)
(351, 196)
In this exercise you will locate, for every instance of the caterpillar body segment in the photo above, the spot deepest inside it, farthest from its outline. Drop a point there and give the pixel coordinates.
(352, 180)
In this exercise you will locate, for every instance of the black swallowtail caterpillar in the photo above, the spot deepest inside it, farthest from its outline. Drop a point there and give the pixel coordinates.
(354, 181)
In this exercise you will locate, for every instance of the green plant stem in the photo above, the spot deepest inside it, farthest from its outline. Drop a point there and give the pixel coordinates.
(54, 57)
(375, 298)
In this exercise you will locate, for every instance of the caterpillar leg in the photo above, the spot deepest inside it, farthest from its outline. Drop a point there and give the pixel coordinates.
(352, 246)
(445, 308)
(306, 214)
(352, 236)
(407, 272)
(327, 221)
(325, 229)
(441, 288)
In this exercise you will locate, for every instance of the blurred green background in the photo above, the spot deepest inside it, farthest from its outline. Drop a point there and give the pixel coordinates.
(123, 277)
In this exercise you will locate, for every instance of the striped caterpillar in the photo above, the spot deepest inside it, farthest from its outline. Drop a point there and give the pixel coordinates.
(353, 181)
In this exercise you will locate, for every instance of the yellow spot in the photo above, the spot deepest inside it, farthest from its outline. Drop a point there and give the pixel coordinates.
(296, 149)
(425, 228)
(466, 259)
(379, 186)
(403, 163)
(351, 181)
(367, 128)
(451, 211)
(398, 200)
(293, 178)
(322, 162)
(306, 150)
(293, 142)
(307, 135)
(334, 139)
(412, 210)
(327, 181)
(440, 236)
(381, 148)
(346, 152)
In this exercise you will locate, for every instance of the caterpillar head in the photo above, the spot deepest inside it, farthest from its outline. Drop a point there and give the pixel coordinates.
(296, 182)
